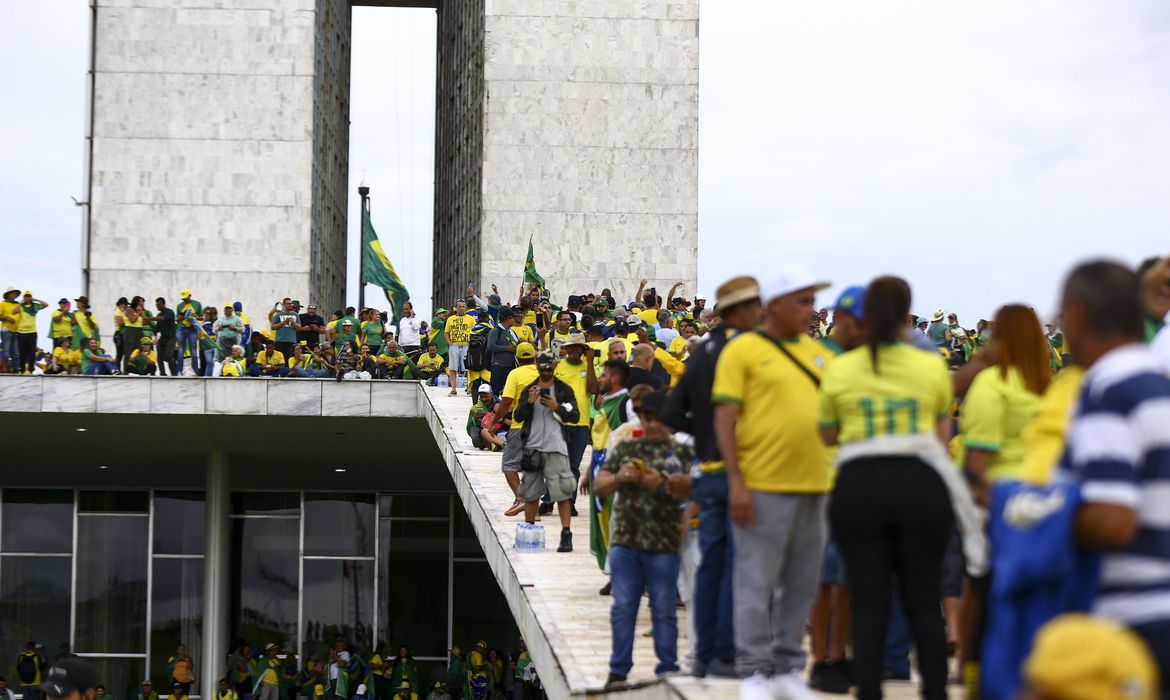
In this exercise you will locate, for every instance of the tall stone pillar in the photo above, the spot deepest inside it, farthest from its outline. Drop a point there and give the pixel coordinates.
(216, 568)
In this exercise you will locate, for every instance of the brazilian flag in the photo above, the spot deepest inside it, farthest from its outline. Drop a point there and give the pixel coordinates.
(377, 270)
(531, 276)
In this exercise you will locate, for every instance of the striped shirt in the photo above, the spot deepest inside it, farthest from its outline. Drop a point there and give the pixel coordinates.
(1118, 449)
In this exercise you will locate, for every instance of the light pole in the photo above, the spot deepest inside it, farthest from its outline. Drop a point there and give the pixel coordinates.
(364, 193)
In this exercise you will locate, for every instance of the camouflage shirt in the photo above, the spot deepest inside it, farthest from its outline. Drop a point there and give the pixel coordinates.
(648, 520)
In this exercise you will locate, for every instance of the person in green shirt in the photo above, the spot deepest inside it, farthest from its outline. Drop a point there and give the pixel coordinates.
(143, 361)
(95, 361)
(436, 334)
(372, 331)
(392, 363)
(456, 682)
(345, 333)
(481, 437)
(402, 668)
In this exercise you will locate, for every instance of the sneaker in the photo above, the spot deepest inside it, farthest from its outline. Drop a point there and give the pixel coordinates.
(566, 541)
(614, 679)
(758, 687)
(721, 669)
(791, 686)
(515, 509)
(829, 677)
(607, 589)
(545, 508)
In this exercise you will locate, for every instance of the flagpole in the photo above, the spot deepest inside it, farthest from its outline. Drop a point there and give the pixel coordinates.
(364, 193)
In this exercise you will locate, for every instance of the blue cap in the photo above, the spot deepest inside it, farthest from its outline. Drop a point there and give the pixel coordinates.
(852, 302)
(238, 306)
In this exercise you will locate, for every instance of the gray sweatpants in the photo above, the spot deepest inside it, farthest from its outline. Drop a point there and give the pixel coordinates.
(777, 569)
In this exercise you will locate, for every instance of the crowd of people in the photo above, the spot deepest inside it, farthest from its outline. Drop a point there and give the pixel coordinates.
(274, 673)
(992, 497)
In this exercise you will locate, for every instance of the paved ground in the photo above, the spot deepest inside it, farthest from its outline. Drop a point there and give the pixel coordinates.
(561, 590)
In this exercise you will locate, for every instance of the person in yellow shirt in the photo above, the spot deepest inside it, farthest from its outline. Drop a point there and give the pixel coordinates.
(269, 362)
(457, 331)
(64, 359)
(26, 332)
(430, 363)
(578, 371)
(61, 323)
(1043, 437)
(765, 391)
(9, 312)
(891, 515)
(1002, 400)
(520, 377)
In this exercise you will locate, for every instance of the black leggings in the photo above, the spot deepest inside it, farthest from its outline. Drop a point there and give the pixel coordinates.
(26, 347)
(892, 516)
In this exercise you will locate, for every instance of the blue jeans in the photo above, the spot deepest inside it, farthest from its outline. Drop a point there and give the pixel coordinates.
(310, 373)
(713, 612)
(208, 361)
(632, 571)
(579, 438)
(97, 368)
(9, 339)
(188, 340)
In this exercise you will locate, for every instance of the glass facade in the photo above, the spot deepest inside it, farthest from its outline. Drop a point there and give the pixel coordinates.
(118, 576)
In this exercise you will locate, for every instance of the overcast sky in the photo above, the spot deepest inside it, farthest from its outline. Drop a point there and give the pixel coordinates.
(978, 149)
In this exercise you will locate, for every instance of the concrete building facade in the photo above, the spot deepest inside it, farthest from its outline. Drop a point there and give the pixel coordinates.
(218, 147)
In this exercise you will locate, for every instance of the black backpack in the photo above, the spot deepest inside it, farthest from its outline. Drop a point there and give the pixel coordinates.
(477, 351)
(26, 668)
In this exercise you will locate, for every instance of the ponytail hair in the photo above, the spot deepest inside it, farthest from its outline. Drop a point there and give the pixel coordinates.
(887, 303)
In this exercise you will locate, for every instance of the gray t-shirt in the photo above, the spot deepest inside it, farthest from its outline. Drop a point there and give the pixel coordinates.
(545, 432)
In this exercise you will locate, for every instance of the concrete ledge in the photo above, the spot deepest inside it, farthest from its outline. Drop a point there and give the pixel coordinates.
(210, 396)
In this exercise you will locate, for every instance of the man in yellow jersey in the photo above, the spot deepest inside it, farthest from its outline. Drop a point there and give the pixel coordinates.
(61, 324)
(9, 312)
(777, 475)
(457, 331)
(690, 410)
(524, 374)
(268, 668)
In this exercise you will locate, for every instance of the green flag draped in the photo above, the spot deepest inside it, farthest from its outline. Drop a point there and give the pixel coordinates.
(377, 270)
(531, 276)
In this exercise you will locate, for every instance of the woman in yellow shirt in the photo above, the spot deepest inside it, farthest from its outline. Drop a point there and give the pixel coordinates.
(886, 405)
(1002, 400)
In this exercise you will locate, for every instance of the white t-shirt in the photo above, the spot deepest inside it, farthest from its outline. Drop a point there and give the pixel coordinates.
(408, 331)
(344, 656)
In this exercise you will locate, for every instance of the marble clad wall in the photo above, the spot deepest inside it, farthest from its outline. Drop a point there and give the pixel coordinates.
(591, 144)
(204, 166)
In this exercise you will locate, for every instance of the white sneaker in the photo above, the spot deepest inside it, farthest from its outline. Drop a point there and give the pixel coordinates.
(758, 687)
(791, 686)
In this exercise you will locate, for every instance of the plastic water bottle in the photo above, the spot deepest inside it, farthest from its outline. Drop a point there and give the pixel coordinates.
(441, 380)
(538, 538)
(461, 381)
(523, 537)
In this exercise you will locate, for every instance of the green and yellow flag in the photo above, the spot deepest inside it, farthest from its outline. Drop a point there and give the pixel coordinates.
(377, 270)
(531, 276)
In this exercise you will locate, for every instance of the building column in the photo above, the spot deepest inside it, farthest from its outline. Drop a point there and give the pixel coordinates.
(216, 569)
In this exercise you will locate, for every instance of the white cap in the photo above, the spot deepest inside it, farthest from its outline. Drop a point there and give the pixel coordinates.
(362, 689)
(485, 388)
(700, 297)
(789, 279)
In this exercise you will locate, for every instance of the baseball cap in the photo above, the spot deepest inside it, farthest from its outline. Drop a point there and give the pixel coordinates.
(347, 322)
(440, 311)
(28, 293)
(237, 306)
(184, 293)
(545, 359)
(319, 690)
(296, 302)
(68, 674)
(788, 279)
(700, 297)
(852, 301)
(525, 351)
(485, 388)
(62, 300)
(229, 306)
(146, 340)
(620, 312)
(1081, 657)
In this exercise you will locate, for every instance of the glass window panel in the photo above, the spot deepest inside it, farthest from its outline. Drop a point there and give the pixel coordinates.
(263, 503)
(178, 523)
(426, 505)
(177, 616)
(36, 520)
(265, 556)
(339, 524)
(122, 677)
(111, 584)
(339, 603)
(34, 604)
(466, 541)
(413, 586)
(479, 609)
(113, 501)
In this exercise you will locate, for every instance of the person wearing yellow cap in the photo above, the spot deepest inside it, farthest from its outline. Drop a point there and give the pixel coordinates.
(26, 332)
(524, 374)
(143, 361)
(1080, 657)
